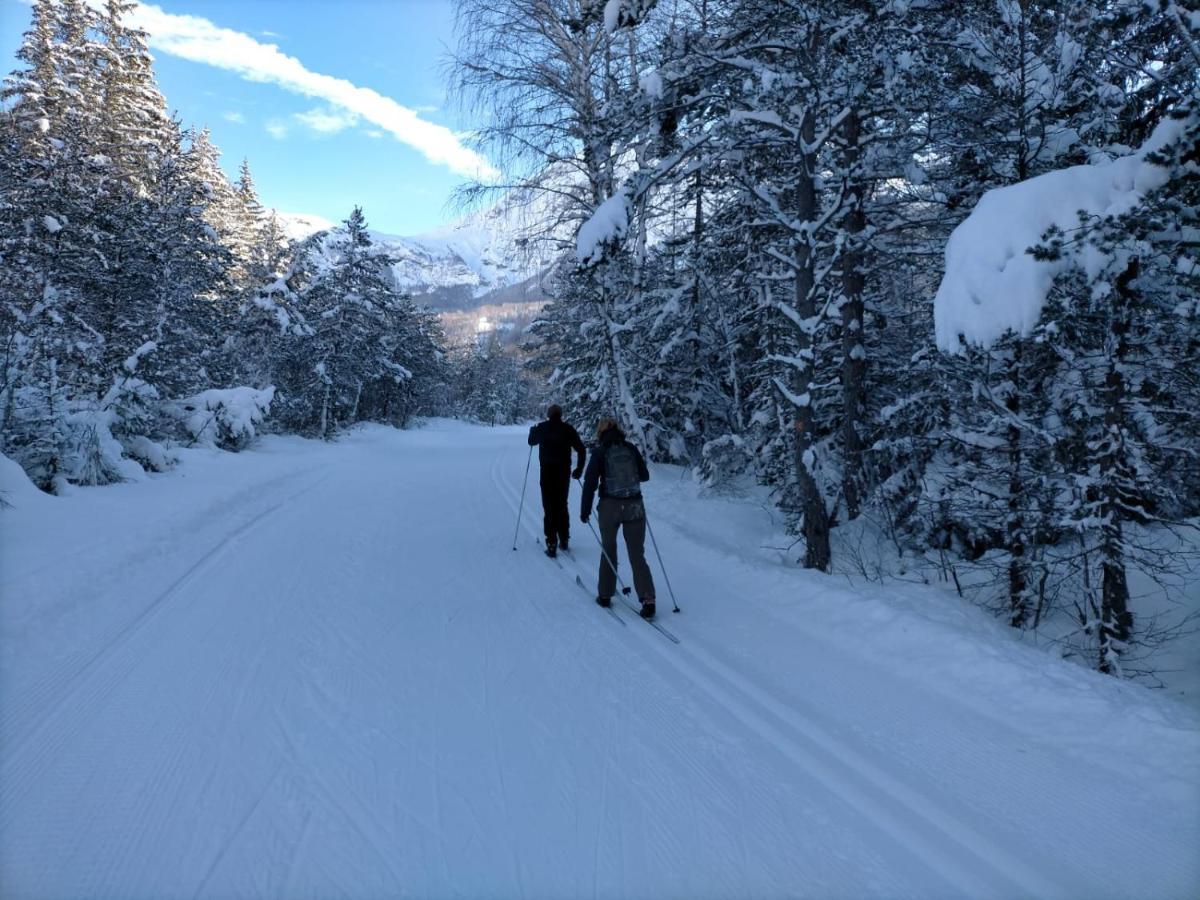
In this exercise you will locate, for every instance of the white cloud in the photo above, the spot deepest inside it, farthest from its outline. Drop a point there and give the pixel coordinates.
(373, 133)
(277, 129)
(231, 116)
(197, 39)
(327, 121)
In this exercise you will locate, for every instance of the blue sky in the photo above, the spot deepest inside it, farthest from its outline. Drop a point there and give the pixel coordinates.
(350, 108)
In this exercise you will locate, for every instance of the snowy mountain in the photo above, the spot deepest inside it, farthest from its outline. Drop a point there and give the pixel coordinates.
(489, 256)
(298, 226)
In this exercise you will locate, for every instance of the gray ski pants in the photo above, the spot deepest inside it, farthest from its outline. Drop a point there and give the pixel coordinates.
(630, 517)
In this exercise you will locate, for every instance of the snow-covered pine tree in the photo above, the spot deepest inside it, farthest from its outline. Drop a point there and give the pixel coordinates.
(363, 347)
(1024, 89)
(136, 129)
(796, 115)
(1123, 324)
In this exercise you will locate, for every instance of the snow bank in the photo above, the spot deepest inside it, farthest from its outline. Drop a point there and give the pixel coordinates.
(610, 222)
(225, 417)
(15, 487)
(992, 283)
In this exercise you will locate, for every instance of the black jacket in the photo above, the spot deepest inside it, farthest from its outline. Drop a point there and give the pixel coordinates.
(595, 469)
(555, 440)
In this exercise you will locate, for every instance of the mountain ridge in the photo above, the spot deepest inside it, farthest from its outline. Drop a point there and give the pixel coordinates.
(489, 257)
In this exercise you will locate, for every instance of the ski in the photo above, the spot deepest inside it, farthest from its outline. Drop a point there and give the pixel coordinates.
(653, 623)
(629, 605)
(607, 609)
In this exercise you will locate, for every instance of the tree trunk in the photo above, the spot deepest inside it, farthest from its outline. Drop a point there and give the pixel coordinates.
(1116, 621)
(324, 429)
(817, 553)
(1014, 524)
(854, 356)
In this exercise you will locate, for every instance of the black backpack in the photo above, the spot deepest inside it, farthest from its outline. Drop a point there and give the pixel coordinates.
(621, 477)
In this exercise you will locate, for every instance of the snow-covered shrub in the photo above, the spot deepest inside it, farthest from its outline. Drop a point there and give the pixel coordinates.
(723, 460)
(150, 454)
(228, 418)
(93, 456)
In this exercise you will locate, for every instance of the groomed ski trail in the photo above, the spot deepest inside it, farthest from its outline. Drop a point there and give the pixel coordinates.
(319, 670)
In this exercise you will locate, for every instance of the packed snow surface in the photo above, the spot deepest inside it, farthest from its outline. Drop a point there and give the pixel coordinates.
(321, 670)
(992, 283)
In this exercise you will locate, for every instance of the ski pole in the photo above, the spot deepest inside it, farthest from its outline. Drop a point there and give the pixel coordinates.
(521, 508)
(661, 566)
(604, 553)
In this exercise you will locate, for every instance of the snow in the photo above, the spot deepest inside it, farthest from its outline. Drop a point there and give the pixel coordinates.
(150, 454)
(992, 284)
(651, 85)
(319, 669)
(131, 362)
(612, 15)
(227, 417)
(608, 223)
(51, 224)
(298, 226)
(16, 490)
(94, 455)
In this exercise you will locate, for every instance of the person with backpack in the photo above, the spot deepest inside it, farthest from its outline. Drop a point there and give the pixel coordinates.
(555, 439)
(618, 470)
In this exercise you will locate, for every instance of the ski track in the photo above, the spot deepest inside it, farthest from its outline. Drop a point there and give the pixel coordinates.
(86, 686)
(847, 775)
(342, 681)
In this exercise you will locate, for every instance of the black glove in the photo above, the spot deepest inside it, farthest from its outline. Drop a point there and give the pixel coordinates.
(583, 517)
(577, 474)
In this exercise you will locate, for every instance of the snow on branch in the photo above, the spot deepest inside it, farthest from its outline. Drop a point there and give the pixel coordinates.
(993, 284)
(625, 13)
(607, 225)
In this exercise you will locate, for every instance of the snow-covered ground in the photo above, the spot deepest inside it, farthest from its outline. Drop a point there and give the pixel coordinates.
(321, 670)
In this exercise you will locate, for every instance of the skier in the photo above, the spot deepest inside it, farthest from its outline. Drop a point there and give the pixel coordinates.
(555, 439)
(618, 469)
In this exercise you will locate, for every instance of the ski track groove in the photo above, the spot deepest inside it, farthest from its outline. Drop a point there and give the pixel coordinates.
(201, 516)
(775, 724)
(498, 768)
(78, 680)
(362, 822)
(849, 648)
(286, 888)
(229, 841)
(37, 700)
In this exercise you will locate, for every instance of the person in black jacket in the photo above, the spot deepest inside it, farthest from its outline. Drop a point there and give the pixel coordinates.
(555, 439)
(618, 470)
